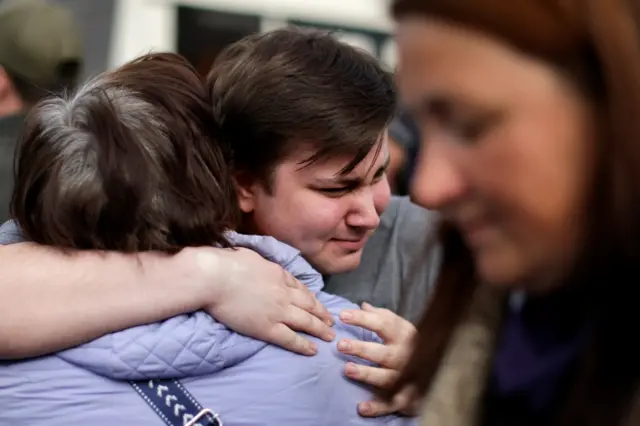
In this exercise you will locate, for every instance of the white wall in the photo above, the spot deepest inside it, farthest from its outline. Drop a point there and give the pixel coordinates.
(144, 25)
(95, 19)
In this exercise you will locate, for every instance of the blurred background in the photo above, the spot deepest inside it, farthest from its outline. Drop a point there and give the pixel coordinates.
(115, 31)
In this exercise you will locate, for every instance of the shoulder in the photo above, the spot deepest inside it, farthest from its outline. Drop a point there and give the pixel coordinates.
(408, 220)
(281, 253)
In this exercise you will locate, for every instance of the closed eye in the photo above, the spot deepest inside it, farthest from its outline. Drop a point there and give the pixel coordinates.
(335, 191)
(381, 172)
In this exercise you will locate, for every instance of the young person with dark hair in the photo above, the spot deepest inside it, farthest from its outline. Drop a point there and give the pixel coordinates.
(302, 118)
(124, 166)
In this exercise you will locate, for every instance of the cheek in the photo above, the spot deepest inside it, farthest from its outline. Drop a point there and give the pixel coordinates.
(381, 196)
(316, 218)
(546, 173)
(532, 177)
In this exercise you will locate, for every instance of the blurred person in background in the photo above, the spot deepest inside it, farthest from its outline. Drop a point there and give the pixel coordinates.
(40, 54)
(310, 156)
(528, 113)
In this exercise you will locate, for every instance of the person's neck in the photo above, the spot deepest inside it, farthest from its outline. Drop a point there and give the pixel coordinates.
(247, 225)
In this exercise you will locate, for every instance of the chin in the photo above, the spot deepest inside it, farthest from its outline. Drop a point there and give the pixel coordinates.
(338, 265)
(500, 271)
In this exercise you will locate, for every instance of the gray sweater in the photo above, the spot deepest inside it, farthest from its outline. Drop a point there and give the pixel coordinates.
(399, 263)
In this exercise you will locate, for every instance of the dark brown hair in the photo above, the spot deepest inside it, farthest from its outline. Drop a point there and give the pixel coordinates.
(130, 162)
(596, 44)
(274, 92)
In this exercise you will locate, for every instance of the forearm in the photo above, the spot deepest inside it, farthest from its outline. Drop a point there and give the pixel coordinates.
(51, 301)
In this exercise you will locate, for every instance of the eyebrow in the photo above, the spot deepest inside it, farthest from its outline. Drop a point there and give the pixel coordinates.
(445, 106)
(353, 181)
(435, 104)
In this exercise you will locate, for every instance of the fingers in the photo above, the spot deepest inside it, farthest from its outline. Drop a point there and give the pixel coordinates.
(301, 320)
(388, 356)
(303, 298)
(370, 308)
(406, 402)
(376, 408)
(283, 336)
(391, 327)
(373, 321)
(381, 378)
(307, 301)
(292, 282)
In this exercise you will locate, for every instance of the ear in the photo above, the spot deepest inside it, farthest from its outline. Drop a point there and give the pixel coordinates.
(247, 188)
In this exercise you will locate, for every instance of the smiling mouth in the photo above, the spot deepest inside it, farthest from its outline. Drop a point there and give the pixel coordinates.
(475, 232)
(352, 244)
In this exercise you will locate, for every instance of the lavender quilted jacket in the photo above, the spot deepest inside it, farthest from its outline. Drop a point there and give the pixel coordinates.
(245, 381)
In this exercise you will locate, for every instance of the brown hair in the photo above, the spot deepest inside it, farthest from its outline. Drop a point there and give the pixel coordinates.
(129, 162)
(273, 92)
(596, 43)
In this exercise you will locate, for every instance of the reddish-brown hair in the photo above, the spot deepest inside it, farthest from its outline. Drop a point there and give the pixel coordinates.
(596, 44)
(130, 162)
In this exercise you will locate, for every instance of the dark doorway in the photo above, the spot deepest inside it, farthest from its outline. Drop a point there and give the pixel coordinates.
(203, 33)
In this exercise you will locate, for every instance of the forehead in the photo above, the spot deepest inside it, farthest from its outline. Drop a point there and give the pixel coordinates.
(332, 166)
(440, 58)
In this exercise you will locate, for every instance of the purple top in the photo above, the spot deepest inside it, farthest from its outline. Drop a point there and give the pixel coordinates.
(538, 347)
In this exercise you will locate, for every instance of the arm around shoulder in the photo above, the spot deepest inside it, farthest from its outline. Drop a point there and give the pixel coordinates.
(50, 300)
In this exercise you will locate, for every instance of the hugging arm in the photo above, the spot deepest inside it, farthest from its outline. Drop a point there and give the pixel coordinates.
(51, 300)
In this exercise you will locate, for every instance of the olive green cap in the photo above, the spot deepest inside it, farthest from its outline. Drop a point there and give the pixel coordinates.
(36, 39)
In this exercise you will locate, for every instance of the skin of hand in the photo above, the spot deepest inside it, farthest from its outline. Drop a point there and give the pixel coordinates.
(260, 299)
(390, 357)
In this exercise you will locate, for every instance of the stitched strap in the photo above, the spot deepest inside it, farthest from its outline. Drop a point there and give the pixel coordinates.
(173, 403)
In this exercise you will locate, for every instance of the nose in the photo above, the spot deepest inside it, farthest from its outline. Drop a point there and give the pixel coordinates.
(437, 180)
(368, 206)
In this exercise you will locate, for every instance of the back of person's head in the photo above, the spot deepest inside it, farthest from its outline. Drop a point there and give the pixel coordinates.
(40, 48)
(129, 162)
(291, 89)
(592, 49)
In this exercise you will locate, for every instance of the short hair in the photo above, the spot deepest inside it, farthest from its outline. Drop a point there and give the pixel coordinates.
(275, 92)
(129, 162)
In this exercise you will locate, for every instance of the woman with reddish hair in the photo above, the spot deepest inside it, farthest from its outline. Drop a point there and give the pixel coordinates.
(529, 112)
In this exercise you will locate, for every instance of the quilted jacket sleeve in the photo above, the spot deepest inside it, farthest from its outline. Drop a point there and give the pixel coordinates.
(186, 345)
(182, 346)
